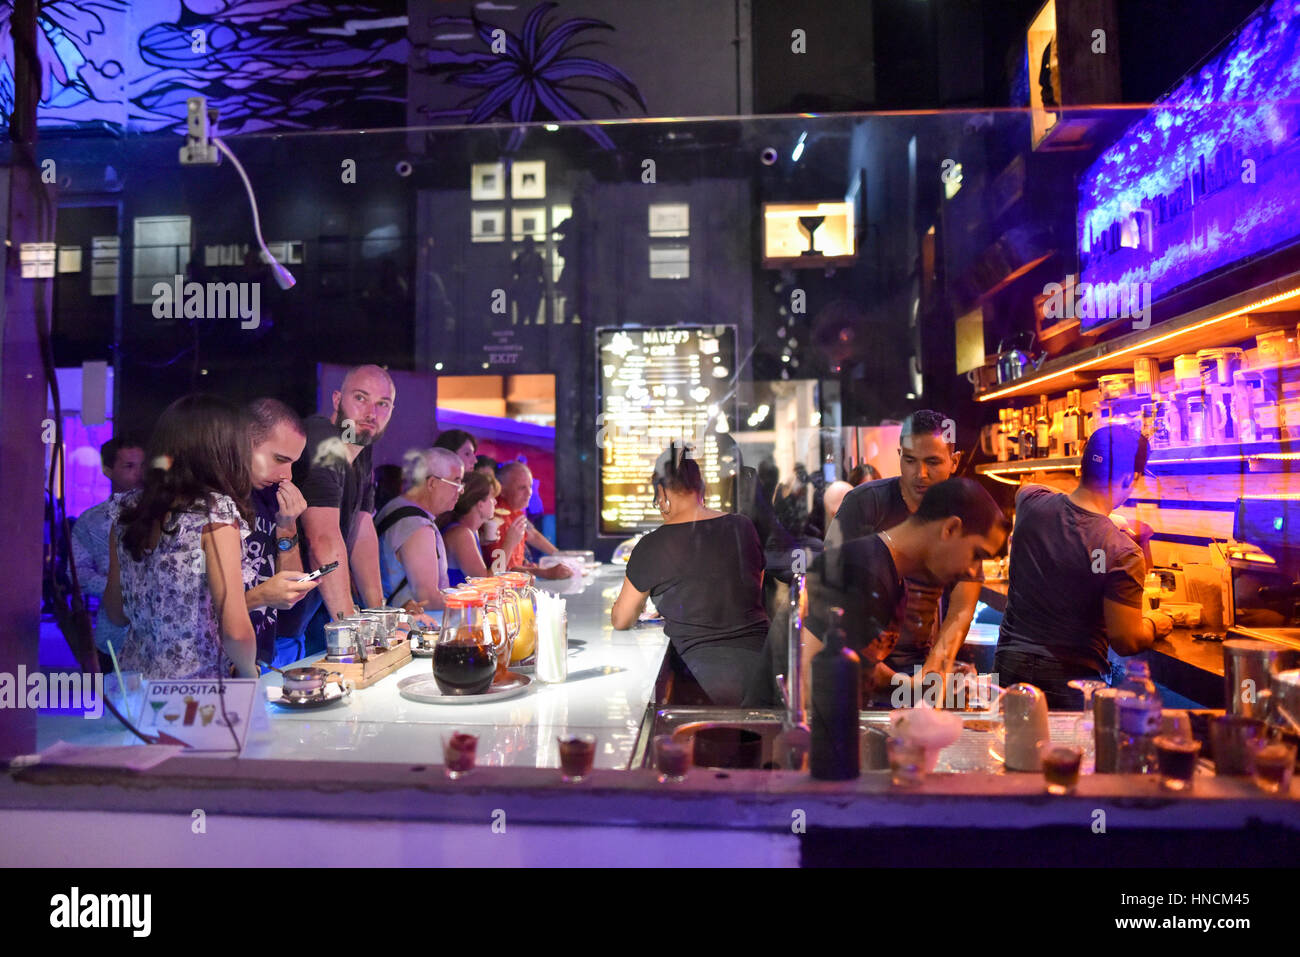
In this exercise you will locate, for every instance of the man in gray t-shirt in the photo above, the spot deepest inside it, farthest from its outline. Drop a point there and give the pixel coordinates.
(1075, 578)
(412, 557)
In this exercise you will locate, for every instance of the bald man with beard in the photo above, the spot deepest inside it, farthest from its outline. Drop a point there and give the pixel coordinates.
(335, 477)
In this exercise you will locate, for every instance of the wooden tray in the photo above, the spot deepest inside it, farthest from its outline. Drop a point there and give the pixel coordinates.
(363, 674)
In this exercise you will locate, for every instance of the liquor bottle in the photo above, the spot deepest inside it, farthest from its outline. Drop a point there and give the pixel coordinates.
(1001, 440)
(1057, 432)
(1139, 722)
(836, 701)
(1042, 430)
(1028, 450)
(1070, 425)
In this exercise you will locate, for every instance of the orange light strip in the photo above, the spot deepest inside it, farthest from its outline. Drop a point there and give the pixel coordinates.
(1140, 346)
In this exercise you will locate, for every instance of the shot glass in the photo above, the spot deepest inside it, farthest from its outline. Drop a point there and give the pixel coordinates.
(458, 753)
(1274, 764)
(1230, 738)
(1176, 724)
(906, 763)
(1061, 764)
(577, 755)
(1176, 761)
(672, 758)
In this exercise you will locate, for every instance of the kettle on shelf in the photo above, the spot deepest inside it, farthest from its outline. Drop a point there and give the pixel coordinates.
(1014, 364)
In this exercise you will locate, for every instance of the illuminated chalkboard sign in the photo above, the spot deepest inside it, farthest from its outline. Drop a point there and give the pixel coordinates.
(657, 385)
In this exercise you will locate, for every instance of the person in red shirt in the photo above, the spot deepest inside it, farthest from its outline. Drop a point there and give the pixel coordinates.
(504, 550)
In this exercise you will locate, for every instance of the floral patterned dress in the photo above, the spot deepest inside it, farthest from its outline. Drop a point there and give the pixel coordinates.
(174, 632)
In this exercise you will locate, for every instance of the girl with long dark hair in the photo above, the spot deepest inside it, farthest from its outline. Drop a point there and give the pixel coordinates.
(176, 573)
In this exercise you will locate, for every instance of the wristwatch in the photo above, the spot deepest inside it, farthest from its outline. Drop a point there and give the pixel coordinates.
(284, 544)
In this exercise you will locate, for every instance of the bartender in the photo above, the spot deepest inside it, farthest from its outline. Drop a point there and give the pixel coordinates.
(926, 457)
(1075, 578)
(956, 524)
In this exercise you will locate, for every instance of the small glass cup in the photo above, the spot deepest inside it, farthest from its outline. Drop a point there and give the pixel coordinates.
(1274, 764)
(577, 755)
(673, 758)
(1230, 737)
(1176, 761)
(128, 697)
(1061, 764)
(906, 763)
(1176, 724)
(1085, 726)
(458, 753)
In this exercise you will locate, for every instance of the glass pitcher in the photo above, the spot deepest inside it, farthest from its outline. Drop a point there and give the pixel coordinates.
(501, 617)
(465, 657)
(521, 583)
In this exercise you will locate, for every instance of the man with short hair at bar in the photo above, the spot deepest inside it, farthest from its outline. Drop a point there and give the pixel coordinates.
(1075, 578)
(516, 488)
(412, 555)
(271, 548)
(122, 462)
(956, 525)
(926, 457)
(335, 477)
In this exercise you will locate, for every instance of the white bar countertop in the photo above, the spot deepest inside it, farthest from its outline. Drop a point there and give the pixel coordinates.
(611, 680)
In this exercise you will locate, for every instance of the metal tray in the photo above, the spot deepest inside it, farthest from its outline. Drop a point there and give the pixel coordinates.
(424, 688)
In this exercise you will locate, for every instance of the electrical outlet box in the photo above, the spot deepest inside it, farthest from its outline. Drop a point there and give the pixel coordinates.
(199, 150)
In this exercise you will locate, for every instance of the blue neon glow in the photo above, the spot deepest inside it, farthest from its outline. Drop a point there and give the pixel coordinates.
(1209, 176)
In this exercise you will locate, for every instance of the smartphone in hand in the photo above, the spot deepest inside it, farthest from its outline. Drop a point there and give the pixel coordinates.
(323, 570)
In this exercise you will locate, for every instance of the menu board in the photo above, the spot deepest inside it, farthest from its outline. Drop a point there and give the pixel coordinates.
(656, 386)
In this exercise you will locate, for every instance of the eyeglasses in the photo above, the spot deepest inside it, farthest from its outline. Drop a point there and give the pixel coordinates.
(458, 486)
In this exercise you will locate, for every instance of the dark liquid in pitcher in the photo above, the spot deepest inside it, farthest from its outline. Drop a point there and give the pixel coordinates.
(463, 668)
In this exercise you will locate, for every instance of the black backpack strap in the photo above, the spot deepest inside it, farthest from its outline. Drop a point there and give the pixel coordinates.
(388, 599)
(391, 519)
(397, 514)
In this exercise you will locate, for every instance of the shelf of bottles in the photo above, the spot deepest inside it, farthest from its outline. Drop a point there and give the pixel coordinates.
(1225, 409)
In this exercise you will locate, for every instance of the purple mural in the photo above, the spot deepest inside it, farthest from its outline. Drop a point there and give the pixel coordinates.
(264, 64)
(527, 76)
(1210, 175)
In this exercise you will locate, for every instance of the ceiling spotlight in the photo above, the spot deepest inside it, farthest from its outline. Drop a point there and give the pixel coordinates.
(437, 366)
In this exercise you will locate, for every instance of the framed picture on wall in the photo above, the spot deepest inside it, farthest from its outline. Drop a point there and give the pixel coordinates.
(487, 181)
(528, 221)
(528, 180)
(487, 225)
(670, 219)
(670, 262)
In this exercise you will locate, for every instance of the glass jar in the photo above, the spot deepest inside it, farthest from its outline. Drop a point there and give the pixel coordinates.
(526, 644)
(464, 659)
(501, 617)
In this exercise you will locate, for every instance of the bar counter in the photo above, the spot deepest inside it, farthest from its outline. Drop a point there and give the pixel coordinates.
(362, 783)
(611, 681)
(1193, 669)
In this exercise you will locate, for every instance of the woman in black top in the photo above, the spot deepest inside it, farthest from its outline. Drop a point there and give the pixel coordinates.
(704, 570)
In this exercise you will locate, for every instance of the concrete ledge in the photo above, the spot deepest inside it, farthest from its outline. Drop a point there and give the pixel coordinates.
(751, 800)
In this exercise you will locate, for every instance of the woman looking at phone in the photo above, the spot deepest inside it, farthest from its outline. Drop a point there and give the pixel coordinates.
(176, 574)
